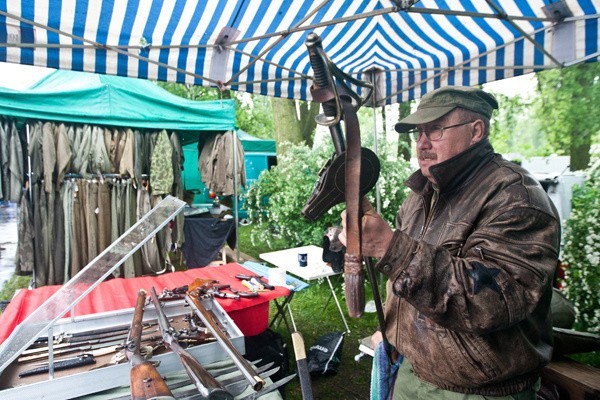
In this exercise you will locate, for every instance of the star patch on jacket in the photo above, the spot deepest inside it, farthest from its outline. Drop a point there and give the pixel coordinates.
(483, 277)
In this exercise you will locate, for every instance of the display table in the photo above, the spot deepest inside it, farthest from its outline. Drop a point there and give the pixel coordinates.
(316, 268)
(251, 315)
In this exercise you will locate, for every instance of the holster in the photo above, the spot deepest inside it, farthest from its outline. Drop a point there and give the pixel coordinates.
(330, 187)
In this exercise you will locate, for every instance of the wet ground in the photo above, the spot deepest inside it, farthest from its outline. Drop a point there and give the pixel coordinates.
(8, 240)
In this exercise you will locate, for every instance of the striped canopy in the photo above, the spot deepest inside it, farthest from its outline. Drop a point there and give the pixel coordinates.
(405, 47)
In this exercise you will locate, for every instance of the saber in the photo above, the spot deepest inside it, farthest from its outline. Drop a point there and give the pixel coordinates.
(245, 367)
(206, 384)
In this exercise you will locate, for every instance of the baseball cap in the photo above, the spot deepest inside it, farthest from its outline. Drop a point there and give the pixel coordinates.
(440, 102)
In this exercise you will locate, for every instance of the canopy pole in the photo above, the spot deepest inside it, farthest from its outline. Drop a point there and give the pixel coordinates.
(235, 197)
(30, 188)
(375, 140)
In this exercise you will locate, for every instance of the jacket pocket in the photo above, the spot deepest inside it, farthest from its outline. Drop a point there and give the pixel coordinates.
(474, 356)
(454, 236)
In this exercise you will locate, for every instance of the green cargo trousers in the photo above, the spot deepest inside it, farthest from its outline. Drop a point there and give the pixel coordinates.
(409, 387)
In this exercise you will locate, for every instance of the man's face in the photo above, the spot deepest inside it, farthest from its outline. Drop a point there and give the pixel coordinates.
(454, 140)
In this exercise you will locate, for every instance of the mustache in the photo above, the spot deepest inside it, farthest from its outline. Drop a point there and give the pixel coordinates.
(427, 155)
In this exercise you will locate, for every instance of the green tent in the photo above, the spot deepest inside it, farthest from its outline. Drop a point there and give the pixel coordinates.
(252, 144)
(80, 97)
(259, 154)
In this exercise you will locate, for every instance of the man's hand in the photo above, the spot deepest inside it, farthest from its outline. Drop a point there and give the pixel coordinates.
(376, 338)
(376, 233)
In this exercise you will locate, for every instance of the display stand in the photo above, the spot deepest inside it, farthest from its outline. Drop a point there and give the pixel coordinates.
(41, 321)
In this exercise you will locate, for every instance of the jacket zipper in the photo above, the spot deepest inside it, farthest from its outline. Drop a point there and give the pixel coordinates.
(428, 216)
(498, 257)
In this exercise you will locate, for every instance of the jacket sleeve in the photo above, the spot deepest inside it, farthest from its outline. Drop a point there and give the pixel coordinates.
(492, 279)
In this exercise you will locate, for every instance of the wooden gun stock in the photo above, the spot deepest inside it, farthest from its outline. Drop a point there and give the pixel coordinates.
(245, 367)
(146, 382)
(206, 384)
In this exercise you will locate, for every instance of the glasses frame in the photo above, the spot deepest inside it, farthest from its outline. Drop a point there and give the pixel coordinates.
(417, 132)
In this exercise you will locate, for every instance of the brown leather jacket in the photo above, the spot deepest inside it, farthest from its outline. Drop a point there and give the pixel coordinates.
(470, 276)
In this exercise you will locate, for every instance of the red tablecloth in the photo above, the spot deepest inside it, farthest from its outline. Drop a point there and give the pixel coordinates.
(251, 315)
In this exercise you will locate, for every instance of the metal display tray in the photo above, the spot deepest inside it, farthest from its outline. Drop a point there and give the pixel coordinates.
(96, 380)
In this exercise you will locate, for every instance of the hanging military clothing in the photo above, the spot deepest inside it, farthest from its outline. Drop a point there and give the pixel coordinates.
(99, 160)
(161, 166)
(15, 165)
(49, 155)
(25, 260)
(63, 153)
(178, 237)
(81, 145)
(217, 164)
(126, 165)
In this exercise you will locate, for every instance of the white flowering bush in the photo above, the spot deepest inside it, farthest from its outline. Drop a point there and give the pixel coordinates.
(275, 200)
(582, 252)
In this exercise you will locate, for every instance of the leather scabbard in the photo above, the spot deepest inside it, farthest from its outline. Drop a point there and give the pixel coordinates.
(354, 273)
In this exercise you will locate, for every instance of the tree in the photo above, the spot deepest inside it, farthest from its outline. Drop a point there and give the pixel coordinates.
(514, 127)
(191, 92)
(404, 140)
(254, 115)
(253, 112)
(293, 126)
(567, 98)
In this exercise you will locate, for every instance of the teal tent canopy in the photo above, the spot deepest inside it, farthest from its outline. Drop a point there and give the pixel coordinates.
(79, 97)
(253, 144)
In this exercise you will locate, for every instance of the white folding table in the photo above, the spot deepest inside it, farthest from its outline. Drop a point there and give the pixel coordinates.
(316, 268)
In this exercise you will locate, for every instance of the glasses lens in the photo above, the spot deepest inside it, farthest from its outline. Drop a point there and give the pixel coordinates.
(435, 133)
(414, 133)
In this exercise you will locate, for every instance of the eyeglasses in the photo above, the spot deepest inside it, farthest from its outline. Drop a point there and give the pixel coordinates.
(435, 132)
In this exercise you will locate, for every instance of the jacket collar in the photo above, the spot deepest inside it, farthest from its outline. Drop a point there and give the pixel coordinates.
(455, 171)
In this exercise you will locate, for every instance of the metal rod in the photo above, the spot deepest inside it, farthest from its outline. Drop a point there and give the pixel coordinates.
(235, 196)
(511, 21)
(338, 305)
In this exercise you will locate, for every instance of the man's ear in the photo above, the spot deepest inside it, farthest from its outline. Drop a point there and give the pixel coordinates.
(477, 132)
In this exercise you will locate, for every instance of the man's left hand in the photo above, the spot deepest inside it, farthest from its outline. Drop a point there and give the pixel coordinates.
(376, 234)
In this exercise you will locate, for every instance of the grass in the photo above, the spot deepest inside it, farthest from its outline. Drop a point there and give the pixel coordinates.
(352, 380)
(12, 285)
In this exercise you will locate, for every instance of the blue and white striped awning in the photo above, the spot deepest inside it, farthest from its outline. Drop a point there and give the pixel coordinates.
(258, 46)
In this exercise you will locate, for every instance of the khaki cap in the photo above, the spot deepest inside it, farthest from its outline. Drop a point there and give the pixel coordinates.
(440, 102)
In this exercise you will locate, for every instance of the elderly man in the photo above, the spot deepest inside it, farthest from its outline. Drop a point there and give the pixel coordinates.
(471, 263)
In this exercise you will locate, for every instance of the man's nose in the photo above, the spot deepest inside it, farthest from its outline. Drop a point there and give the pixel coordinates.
(423, 142)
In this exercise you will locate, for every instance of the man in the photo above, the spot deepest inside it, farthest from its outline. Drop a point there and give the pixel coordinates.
(471, 263)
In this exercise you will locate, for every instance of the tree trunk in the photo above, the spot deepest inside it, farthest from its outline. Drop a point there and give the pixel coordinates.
(404, 139)
(288, 127)
(581, 142)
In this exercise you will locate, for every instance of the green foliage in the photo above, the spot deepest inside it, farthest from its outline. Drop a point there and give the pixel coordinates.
(190, 92)
(582, 252)
(275, 200)
(514, 128)
(566, 100)
(10, 287)
(254, 115)
(253, 112)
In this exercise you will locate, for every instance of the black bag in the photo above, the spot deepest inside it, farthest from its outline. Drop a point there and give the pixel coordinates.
(326, 354)
(333, 250)
(269, 347)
